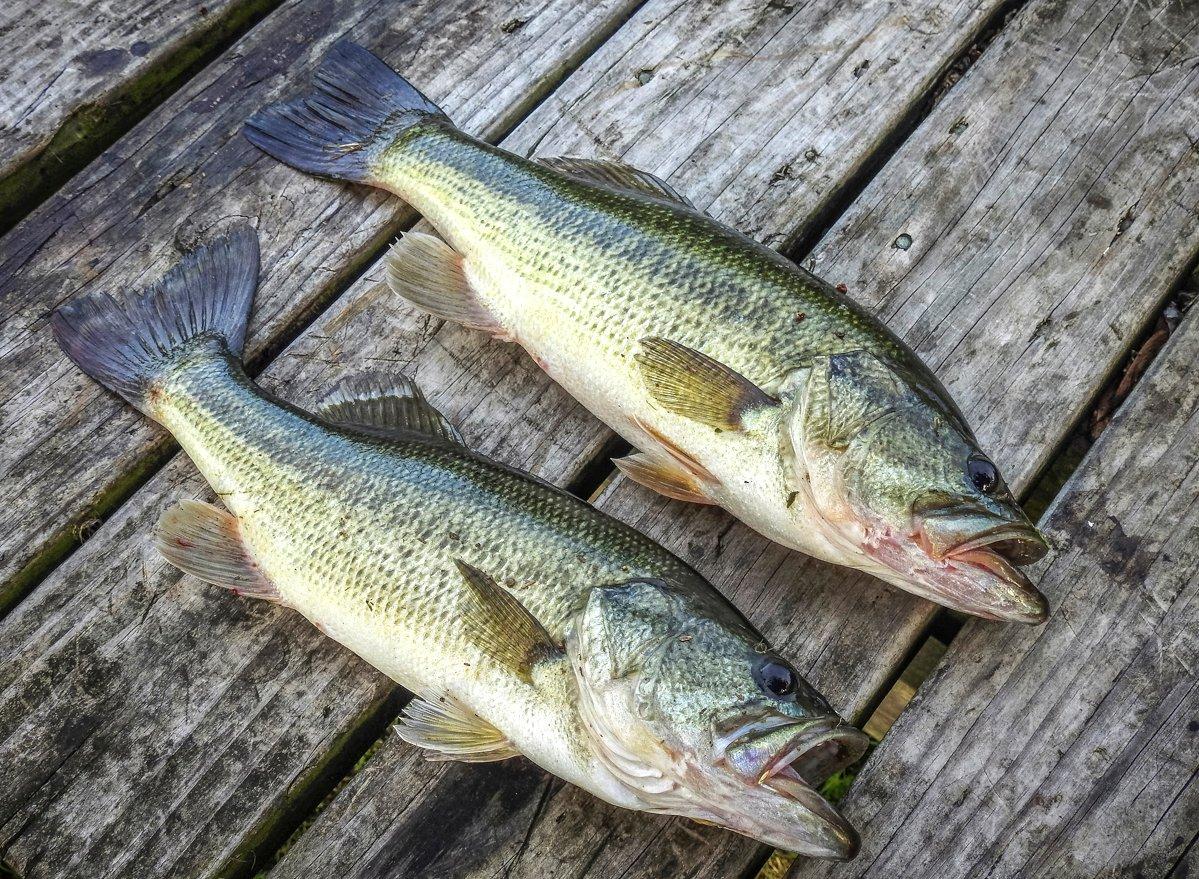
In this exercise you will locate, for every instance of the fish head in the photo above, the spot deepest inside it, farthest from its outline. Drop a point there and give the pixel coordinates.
(896, 473)
(686, 706)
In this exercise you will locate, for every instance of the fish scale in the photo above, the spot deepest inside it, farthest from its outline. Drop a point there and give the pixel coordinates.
(401, 511)
(740, 378)
(619, 267)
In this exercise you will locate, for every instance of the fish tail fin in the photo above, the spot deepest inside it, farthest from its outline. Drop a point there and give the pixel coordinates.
(359, 105)
(126, 343)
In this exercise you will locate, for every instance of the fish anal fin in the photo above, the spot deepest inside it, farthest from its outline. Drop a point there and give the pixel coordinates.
(501, 626)
(385, 405)
(618, 175)
(449, 730)
(693, 385)
(430, 274)
(205, 541)
(670, 480)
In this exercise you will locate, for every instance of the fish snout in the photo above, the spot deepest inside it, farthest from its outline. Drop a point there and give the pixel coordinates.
(987, 550)
(783, 766)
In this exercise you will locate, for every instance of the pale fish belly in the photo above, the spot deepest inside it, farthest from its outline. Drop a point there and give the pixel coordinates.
(748, 475)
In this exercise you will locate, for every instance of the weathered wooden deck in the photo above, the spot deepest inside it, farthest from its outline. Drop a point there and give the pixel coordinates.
(1012, 184)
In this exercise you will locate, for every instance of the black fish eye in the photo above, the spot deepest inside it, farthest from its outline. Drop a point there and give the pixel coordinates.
(983, 474)
(776, 678)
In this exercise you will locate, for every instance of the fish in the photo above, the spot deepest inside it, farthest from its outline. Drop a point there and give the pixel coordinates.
(523, 620)
(740, 379)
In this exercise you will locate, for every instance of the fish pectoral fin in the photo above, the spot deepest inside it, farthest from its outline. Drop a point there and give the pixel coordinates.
(670, 480)
(693, 385)
(205, 541)
(385, 405)
(617, 175)
(449, 730)
(501, 626)
(429, 273)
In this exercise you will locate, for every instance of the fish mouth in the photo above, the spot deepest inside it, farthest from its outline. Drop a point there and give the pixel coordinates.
(1015, 544)
(982, 573)
(814, 751)
(800, 757)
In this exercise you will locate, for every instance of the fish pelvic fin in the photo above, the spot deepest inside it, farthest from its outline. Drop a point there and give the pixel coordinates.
(359, 105)
(126, 342)
(387, 406)
(205, 541)
(501, 626)
(448, 730)
(670, 480)
(693, 385)
(429, 273)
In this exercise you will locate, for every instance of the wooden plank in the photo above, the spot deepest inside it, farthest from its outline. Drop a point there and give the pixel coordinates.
(77, 74)
(173, 725)
(1070, 750)
(152, 727)
(72, 450)
(1022, 232)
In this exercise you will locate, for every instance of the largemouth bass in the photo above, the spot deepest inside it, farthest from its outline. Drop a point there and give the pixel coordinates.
(526, 621)
(742, 380)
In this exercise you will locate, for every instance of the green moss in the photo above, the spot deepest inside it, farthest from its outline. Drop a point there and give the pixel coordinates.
(92, 128)
(73, 533)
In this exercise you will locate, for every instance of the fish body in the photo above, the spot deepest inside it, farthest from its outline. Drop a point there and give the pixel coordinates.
(524, 620)
(578, 273)
(743, 380)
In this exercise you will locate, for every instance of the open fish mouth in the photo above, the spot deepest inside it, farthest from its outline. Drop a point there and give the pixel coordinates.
(991, 555)
(792, 759)
(815, 751)
(1013, 544)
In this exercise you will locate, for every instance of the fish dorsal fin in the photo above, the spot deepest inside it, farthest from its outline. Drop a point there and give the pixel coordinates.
(618, 176)
(385, 405)
(501, 626)
(449, 730)
(670, 480)
(693, 385)
(430, 274)
(205, 541)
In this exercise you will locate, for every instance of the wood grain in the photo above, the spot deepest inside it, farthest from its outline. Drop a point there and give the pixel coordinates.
(74, 451)
(1070, 750)
(506, 407)
(77, 74)
(1023, 305)
(142, 730)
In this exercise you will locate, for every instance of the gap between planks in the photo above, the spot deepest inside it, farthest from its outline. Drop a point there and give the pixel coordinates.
(98, 115)
(72, 535)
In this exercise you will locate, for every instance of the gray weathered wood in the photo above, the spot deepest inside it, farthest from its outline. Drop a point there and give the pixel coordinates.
(1126, 144)
(506, 407)
(1068, 751)
(142, 730)
(73, 450)
(76, 73)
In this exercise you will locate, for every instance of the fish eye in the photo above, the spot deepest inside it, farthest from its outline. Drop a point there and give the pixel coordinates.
(776, 678)
(983, 474)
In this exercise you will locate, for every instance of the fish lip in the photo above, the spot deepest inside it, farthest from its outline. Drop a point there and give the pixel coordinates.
(839, 840)
(802, 748)
(803, 761)
(1015, 542)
